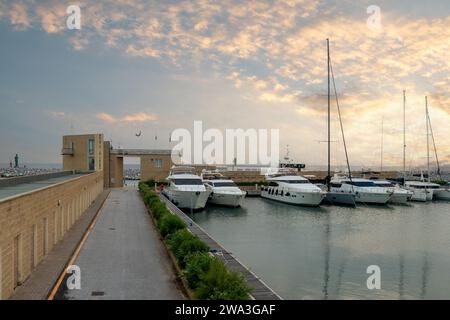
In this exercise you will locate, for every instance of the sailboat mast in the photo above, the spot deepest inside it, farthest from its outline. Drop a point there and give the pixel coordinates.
(329, 118)
(434, 146)
(382, 142)
(404, 135)
(428, 139)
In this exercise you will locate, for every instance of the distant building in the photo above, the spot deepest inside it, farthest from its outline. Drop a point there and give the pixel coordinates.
(89, 152)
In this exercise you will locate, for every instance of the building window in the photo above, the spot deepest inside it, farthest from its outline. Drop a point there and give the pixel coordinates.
(158, 163)
(91, 146)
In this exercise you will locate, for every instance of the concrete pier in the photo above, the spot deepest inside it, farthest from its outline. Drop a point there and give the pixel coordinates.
(123, 257)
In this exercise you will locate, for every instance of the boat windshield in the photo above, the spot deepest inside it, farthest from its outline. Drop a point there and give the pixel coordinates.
(294, 181)
(184, 182)
(385, 185)
(224, 184)
(361, 183)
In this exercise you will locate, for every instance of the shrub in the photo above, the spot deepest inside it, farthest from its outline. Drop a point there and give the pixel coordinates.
(169, 224)
(197, 265)
(150, 197)
(220, 284)
(190, 246)
(183, 243)
(158, 210)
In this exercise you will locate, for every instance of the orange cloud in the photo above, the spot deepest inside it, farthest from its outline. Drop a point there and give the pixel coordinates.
(131, 118)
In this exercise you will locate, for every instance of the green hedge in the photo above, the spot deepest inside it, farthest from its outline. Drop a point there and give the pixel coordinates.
(169, 224)
(183, 244)
(218, 283)
(206, 275)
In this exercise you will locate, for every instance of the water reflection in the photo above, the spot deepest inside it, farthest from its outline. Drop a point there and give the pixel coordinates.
(323, 253)
(326, 274)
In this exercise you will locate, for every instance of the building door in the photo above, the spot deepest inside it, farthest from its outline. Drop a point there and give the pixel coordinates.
(45, 237)
(33, 246)
(16, 261)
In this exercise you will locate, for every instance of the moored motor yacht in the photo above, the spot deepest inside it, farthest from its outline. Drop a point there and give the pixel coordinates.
(400, 195)
(423, 191)
(223, 190)
(185, 189)
(293, 189)
(365, 191)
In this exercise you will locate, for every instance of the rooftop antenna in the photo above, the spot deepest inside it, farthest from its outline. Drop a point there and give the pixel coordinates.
(286, 157)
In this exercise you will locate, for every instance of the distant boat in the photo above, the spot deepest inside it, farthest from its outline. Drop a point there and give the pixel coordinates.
(422, 191)
(443, 193)
(186, 189)
(425, 190)
(399, 196)
(365, 190)
(292, 189)
(224, 191)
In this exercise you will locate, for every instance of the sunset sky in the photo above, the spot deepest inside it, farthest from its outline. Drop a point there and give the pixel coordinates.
(154, 66)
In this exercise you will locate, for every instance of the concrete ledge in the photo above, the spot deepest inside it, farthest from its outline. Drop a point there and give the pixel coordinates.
(8, 182)
(43, 278)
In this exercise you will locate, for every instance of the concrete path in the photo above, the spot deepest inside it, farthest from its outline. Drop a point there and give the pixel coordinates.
(123, 257)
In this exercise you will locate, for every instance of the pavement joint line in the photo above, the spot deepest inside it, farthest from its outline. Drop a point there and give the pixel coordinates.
(77, 251)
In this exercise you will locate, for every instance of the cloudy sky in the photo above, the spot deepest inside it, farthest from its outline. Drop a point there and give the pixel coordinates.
(155, 66)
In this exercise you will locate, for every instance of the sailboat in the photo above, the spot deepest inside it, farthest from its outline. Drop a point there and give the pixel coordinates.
(440, 193)
(400, 195)
(333, 196)
(424, 190)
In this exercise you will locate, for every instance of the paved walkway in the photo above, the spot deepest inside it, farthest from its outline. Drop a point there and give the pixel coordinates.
(123, 257)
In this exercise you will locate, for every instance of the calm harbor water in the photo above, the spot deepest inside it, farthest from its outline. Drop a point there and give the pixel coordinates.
(323, 253)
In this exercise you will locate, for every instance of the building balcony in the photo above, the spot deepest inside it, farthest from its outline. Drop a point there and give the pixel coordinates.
(67, 151)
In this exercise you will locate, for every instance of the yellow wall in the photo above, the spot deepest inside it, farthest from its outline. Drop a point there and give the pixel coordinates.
(79, 160)
(41, 217)
(116, 171)
(149, 169)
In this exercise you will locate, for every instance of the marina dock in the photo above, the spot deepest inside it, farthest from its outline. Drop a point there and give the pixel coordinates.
(260, 290)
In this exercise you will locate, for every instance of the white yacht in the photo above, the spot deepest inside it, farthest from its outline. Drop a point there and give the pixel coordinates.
(186, 189)
(366, 191)
(223, 190)
(443, 193)
(400, 195)
(292, 189)
(423, 191)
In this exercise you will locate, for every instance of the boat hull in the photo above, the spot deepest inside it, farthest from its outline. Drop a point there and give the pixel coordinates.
(192, 200)
(372, 198)
(400, 198)
(419, 195)
(430, 193)
(341, 198)
(442, 194)
(309, 199)
(224, 199)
